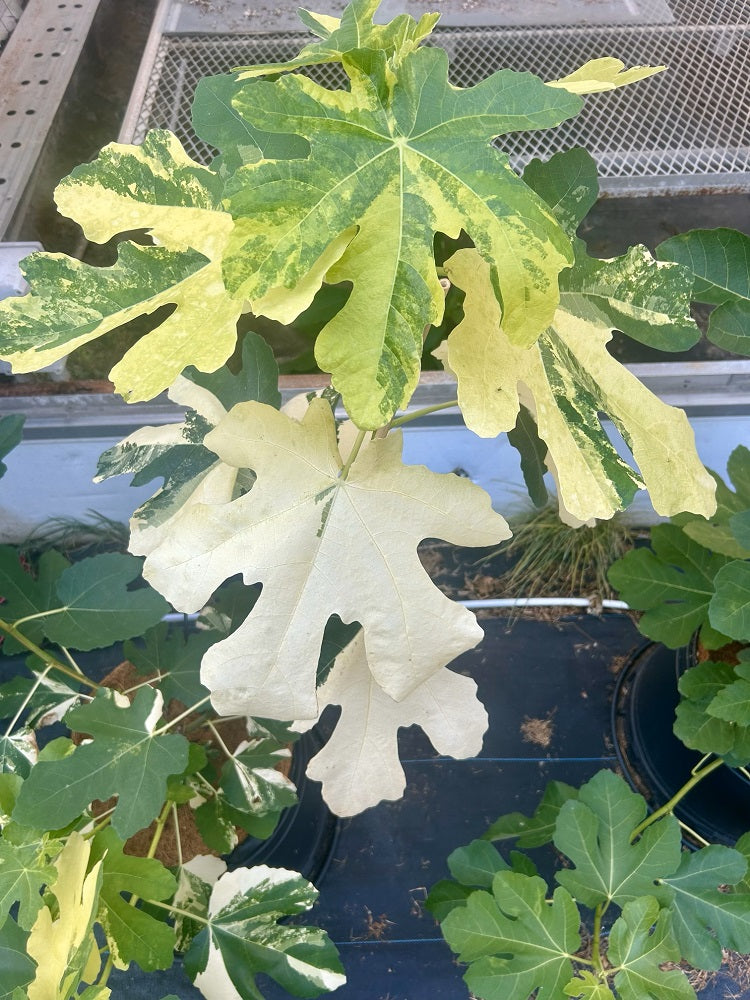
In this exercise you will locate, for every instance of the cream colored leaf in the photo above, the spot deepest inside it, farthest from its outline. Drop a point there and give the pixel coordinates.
(64, 947)
(606, 73)
(321, 545)
(359, 766)
(566, 379)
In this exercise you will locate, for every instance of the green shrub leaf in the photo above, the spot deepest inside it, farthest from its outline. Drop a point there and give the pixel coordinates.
(126, 758)
(514, 940)
(729, 608)
(594, 831)
(11, 433)
(704, 918)
(537, 829)
(640, 942)
(720, 261)
(673, 582)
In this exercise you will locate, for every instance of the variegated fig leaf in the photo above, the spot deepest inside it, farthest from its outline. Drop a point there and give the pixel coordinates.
(158, 188)
(568, 378)
(63, 946)
(353, 30)
(606, 73)
(244, 936)
(384, 175)
(321, 543)
(359, 766)
(176, 452)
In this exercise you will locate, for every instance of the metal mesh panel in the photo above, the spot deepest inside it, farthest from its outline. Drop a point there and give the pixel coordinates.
(685, 130)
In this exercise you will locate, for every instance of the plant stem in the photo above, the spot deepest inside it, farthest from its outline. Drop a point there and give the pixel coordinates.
(179, 912)
(352, 455)
(596, 955)
(222, 745)
(668, 807)
(416, 414)
(158, 831)
(173, 722)
(45, 657)
(108, 966)
(32, 690)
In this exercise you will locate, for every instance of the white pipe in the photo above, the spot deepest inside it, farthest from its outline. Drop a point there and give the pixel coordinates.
(545, 602)
(496, 602)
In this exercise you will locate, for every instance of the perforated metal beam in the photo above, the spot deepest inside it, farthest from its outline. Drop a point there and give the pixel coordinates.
(35, 69)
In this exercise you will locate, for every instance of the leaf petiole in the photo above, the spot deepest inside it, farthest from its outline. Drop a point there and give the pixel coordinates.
(669, 806)
(352, 455)
(178, 912)
(46, 657)
(183, 715)
(425, 411)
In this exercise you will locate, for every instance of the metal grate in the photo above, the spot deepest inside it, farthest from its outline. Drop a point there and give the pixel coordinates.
(686, 130)
(10, 11)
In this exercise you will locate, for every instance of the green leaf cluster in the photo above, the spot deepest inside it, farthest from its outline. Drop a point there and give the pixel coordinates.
(695, 575)
(663, 905)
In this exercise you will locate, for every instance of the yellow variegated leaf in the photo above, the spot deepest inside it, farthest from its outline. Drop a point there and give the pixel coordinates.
(158, 188)
(606, 73)
(321, 544)
(64, 946)
(566, 379)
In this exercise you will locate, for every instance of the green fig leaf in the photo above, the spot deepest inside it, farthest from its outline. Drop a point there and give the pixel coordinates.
(672, 582)
(11, 433)
(706, 919)
(640, 943)
(514, 939)
(537, 829)
(720, 261)
(127, 757)
(595, 830)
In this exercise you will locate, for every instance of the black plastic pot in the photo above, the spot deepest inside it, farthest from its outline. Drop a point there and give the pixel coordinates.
(656, 763)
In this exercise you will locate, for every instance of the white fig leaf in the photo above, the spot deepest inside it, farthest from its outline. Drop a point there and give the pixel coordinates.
(359, 766)
(321, 544)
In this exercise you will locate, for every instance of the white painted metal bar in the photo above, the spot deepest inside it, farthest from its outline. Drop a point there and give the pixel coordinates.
(35, 68)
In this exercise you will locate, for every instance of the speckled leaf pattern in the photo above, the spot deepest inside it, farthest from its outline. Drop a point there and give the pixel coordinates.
(24, 870)
(568, 377)
(244, 937)
(720, 262)
(156, 187)
(594, 832)
(384, 175)
(640, 943)
(359, 765)
(514, 940)
(292, 532)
